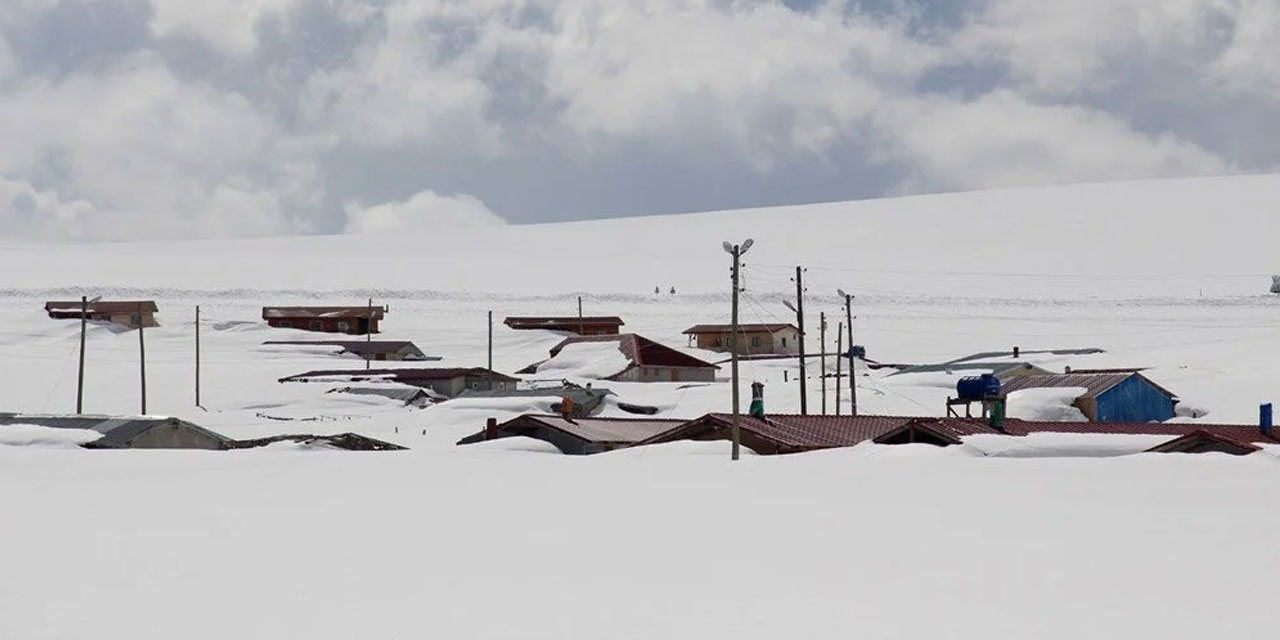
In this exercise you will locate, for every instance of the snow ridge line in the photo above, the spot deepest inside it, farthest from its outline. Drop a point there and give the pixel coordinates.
(870, 299)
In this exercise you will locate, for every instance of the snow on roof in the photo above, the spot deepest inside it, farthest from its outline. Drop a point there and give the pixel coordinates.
(742, 328)
(269, 313)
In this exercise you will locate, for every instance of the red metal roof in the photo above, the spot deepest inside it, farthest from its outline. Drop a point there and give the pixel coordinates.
(1095, 384)
(401, 375)
(790, 433)
(287, 313)
(603, 430)
(1192, 442)
(742, 328)
(966, 426)
(101, 306)
(641, 351)
(558, 322)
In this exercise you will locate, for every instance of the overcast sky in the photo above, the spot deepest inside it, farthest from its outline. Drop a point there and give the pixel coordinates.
(156, 119)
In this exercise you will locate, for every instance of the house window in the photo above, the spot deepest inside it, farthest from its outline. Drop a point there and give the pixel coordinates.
(136, 319)
(284, 324)
(344, 326)
(317, 325)
(755, 341)
(475, 384)
(717, 342)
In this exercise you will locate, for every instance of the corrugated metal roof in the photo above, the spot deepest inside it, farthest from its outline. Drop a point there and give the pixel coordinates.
(1095, 384)
(362, 347)
(641, 351)
(117, 431)
(792, 432)
(101, 306)
(1196, 440)
(278, 313)
(600, 430)
(742, 328)
(550, 322)
(1014, 427)
(402, 375)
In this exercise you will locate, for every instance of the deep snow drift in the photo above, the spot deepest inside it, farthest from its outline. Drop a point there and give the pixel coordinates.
(1042, 537)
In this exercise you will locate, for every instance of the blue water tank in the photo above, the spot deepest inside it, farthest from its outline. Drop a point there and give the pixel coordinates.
(980, 387)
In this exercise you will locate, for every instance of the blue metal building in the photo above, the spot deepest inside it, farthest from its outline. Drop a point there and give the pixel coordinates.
(1124, 396)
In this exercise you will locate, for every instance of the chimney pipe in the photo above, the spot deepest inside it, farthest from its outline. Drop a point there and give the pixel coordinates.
(1017, 351)
(491, 429)
(757, 400)
(1264, 419)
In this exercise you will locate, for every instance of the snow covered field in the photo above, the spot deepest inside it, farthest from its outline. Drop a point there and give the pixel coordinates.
(505, 540)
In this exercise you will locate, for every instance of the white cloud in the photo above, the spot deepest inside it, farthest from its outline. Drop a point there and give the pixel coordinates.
(1002, 140)
(363, 100)
(425, 211)
(31, 213)
(227, 25)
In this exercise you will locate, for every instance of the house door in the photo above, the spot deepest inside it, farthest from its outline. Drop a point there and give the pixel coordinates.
(362, 327)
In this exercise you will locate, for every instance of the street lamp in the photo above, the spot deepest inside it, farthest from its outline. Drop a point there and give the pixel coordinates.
(736, 251)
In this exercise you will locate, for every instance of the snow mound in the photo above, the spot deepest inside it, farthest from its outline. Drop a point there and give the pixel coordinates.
(1052, 405)
(29, 435)
(591, 360)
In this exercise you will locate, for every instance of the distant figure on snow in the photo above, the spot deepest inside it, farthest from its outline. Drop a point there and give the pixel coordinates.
(673, 291)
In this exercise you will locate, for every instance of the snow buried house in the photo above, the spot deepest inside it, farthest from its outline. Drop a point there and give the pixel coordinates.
(575, 437)
(447, 382)
(126, 313)
(128, 432)
(753, 339)
(625, 357)
(367, 349)
(583, 326)
(1120, 396)
(358, 320)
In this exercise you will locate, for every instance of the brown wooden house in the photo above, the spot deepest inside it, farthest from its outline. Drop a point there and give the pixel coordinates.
(584, 326)
(350, 320)
(753, 339)
(127, 313)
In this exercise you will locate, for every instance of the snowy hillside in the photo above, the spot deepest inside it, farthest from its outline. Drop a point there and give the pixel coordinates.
(504, 539)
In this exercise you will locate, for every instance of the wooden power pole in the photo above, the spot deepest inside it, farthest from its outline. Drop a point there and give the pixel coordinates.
(490, 372)
(804, 393)
(368, 336)
(142, 357)
(822, 330)
(198, 356)
(736, 433)
(84, 318)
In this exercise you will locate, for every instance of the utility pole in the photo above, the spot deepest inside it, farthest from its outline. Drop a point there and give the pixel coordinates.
(368, 336)
(839, 338)
(490, 373)
(736, 430)
(853, 377)
(142, 357)
(822, 329)
(804, 393)
(198, 356)
(581, 328)
(84, 316)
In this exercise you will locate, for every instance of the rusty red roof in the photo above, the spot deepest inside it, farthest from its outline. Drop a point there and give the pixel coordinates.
(288, 313)
(959, 427)
(1094, 384)
(407, 374)
(742, 328)
(1195, 442)
(101, 306)
(641, 351)
(605, 430)
(561, 322)
(787, 433)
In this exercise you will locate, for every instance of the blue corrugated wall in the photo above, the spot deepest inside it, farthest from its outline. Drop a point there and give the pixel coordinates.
(1134, 400)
